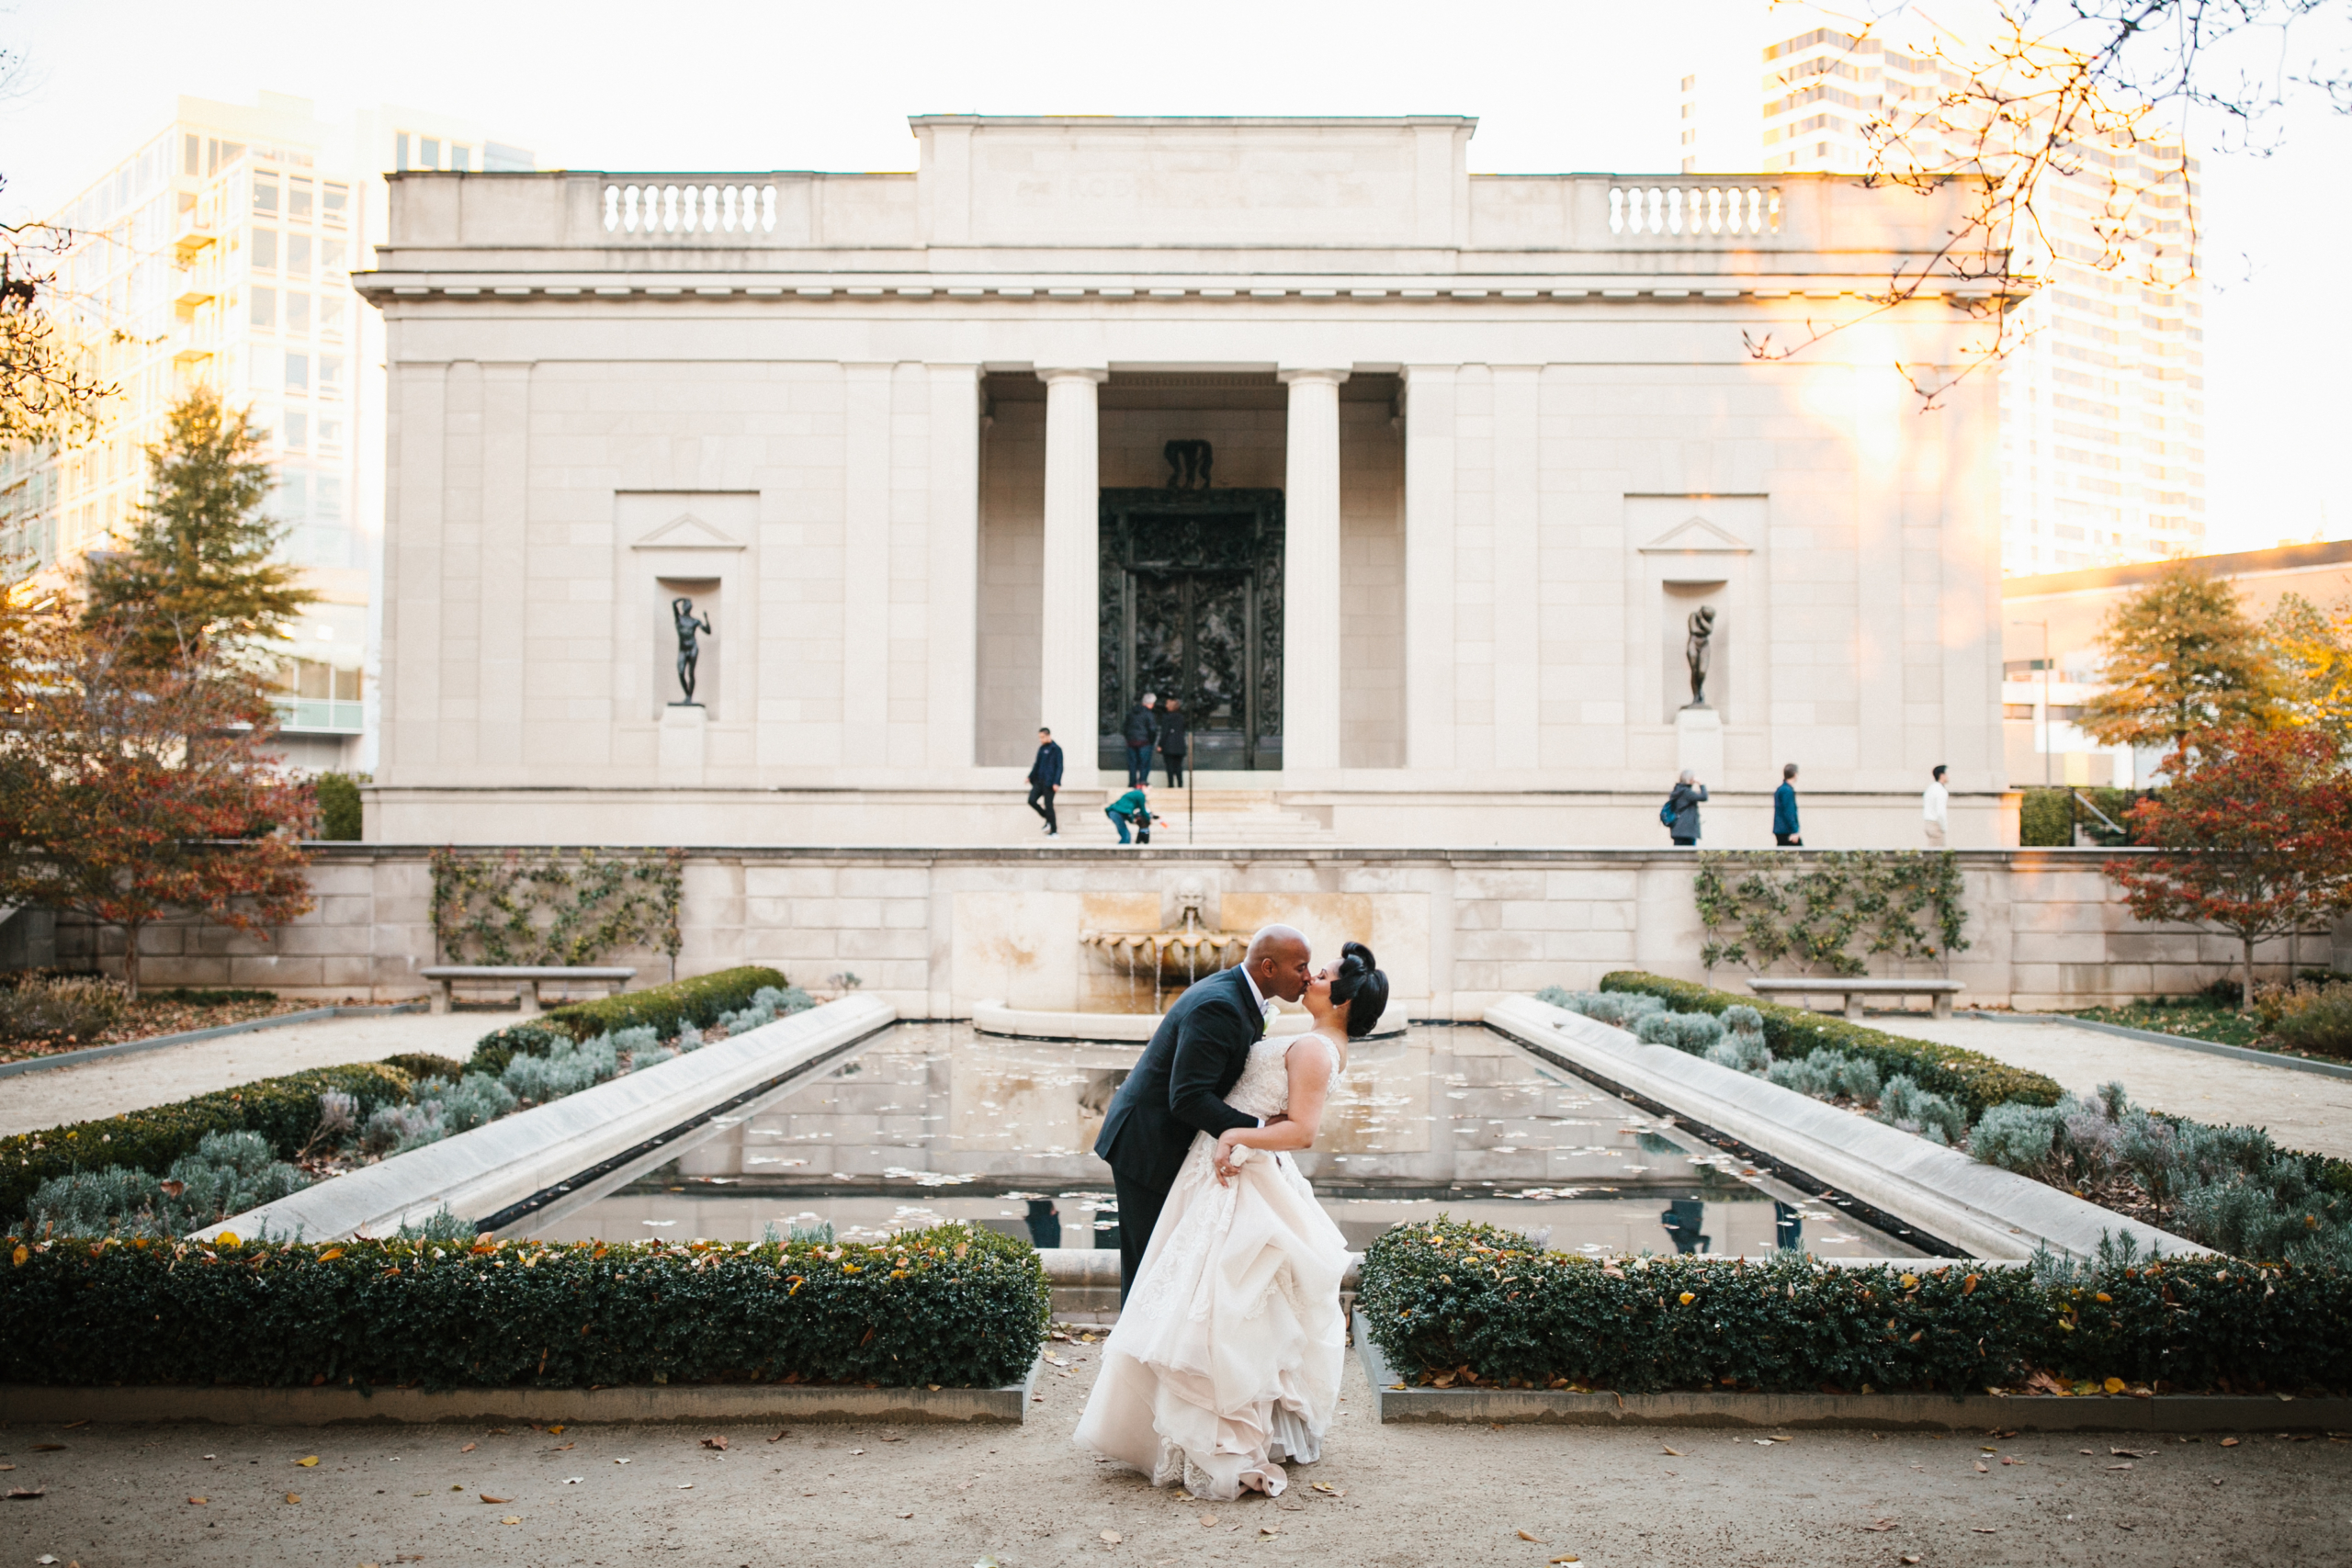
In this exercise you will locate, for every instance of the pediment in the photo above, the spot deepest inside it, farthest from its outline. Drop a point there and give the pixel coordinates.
(688, 532)
(1695, 535)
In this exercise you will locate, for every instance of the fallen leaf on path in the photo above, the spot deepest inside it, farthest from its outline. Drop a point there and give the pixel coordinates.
(857, 1450)
(308, 1462)
(2132, 1453)
(907, 1516)
(2123, 1526)
(1330, 1491)
(47, 1447)
(2125, 1465)
(1881, 1528)
(511, 1519)
(1676, 1452)
(71, 1424)
(718, 1443)
(1266, 1530)
(620, 1462)
(685, 1485)
(1568, 1559)
(199, 1502)
(488, 1498)
(893, 1438)
(293, 1496)
(470, 1447)
(1110, 1536)
(1208, 1519)
(561, 1447)
(1524, 1536)
(2226, 1442)
(1910, 1557)
(574, 1480)
(26, 1494)
(1987, 1529)
(555, 1431)
(781, 1436)
(1982, 1469)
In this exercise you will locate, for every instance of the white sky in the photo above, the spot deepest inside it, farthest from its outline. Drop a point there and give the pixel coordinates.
(1558, 84)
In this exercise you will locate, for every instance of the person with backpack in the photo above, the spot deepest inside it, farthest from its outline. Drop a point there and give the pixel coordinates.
(1680, 815)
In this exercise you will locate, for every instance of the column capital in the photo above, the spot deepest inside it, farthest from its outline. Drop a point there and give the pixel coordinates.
(1077, 373)
(1287, 376)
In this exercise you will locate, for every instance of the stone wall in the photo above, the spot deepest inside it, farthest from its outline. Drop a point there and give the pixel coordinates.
(935, 931)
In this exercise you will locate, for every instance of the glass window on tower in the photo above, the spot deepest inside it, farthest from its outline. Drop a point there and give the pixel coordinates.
(298, 372)
(331, 313)
(265, 250)
(331, 254)
(264, 308)
(298, 199)
(428, 151)
(400, 152)
(330, 375)
(330, 435)
(298, 312)
(333, 200)
(298, 255)
(461, 157)
(265, 193)
(298, 429)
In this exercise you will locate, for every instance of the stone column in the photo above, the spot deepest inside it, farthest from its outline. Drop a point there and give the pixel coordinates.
(1430, 655)
(1311, 572)
(951, 611)
(1070, 636)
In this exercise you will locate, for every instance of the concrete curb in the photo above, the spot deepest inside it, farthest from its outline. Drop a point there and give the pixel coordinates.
(190, 1036)
(1845, 1412)
(1986, 1211)
(534, 1155)
(416, 1406)
(2156, 1037)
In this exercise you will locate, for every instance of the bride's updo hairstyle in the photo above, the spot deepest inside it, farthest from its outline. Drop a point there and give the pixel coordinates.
(1361, 984)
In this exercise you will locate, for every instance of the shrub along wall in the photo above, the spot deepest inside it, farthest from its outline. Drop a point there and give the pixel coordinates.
(953, 1305)
(285, 1111)
(665, 1010)
(1978, 1082)
(1474, 1304)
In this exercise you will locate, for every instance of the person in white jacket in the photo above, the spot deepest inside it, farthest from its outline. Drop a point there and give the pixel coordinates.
(1935, 805)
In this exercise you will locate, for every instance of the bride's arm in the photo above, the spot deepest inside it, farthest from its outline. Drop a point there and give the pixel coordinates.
(1310, 1063)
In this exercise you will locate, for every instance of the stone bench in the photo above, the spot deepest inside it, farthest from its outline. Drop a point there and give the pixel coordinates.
(523, 979)
(1939, 992)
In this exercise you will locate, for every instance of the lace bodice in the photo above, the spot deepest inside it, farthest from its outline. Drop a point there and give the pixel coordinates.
(1263, 1087)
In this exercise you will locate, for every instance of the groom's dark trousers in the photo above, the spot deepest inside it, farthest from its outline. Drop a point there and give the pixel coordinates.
(1177, 1089)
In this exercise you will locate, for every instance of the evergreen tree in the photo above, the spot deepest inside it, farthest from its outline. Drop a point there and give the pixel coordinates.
(196, 590)
(2181, 656)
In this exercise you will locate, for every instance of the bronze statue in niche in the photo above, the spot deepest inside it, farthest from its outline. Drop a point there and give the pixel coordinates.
(1698, 652)
(682, 613)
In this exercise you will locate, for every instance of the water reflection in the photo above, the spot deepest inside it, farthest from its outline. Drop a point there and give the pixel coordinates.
(934, 1122)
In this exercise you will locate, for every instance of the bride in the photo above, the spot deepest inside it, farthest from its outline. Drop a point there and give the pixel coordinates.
(1226, 1359)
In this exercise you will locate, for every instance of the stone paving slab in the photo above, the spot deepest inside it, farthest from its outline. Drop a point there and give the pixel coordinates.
(2303, 1111)
(112, 1085)
(416, 1406)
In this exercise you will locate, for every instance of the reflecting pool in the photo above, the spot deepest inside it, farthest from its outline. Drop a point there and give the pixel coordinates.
(934, 1122)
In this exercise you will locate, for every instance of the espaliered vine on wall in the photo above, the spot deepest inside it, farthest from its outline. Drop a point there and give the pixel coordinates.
(554, 906)
(1829, 912)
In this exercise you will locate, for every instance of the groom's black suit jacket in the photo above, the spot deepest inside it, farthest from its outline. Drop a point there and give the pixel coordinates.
(1179, 1085)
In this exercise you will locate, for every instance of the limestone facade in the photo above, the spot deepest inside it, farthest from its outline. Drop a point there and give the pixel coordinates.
(938, 931)
(1518, 428)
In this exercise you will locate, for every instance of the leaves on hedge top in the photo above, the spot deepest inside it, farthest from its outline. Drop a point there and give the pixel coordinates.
(407, 1313)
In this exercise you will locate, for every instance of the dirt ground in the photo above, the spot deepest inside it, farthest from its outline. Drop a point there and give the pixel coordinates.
(1023, 1497)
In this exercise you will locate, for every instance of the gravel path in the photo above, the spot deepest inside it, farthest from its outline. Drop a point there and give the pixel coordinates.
(1024, 1498)
(2303, 1111)
(112, 1085)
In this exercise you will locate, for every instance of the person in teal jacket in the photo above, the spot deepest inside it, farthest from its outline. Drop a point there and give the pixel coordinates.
(1785, 832)
(1133, 808)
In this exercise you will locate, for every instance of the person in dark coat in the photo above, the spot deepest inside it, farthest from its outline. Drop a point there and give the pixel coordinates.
(1044, 779)
(1142, 730)
(1173, 741)
(1683, 810)
(1786, 833)
(1179, 1084)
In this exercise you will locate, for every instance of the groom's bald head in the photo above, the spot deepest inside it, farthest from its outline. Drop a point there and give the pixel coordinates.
(1278, 961)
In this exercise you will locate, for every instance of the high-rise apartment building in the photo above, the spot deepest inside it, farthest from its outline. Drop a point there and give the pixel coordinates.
(2102, 400)
(219, 250)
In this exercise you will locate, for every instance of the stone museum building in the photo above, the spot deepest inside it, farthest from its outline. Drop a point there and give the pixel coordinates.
(782, 508)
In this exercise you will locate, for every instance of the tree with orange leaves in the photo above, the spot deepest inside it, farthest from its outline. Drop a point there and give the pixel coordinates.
(2252, 834)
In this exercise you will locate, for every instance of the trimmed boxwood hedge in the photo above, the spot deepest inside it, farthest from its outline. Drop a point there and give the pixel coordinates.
(285, 1111)
(953, 1305)
(1978, 1082)
(700, 1002)
(1439, 1297)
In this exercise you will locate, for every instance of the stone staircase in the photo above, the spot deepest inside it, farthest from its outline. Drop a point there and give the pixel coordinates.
(1222, 819)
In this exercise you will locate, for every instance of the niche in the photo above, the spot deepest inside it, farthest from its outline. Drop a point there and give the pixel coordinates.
(1674, 617)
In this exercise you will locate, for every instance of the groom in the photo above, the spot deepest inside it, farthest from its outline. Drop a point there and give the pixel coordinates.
(1179, 1085)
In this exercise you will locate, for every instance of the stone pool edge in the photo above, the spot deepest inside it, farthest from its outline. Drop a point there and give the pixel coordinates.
(638, 1402)
(1844, 1412)
(1993, 1213)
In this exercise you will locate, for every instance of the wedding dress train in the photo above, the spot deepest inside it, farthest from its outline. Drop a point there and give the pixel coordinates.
(1225, 1358)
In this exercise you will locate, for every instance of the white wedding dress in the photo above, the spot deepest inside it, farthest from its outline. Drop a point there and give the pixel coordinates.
(1225, 1358)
